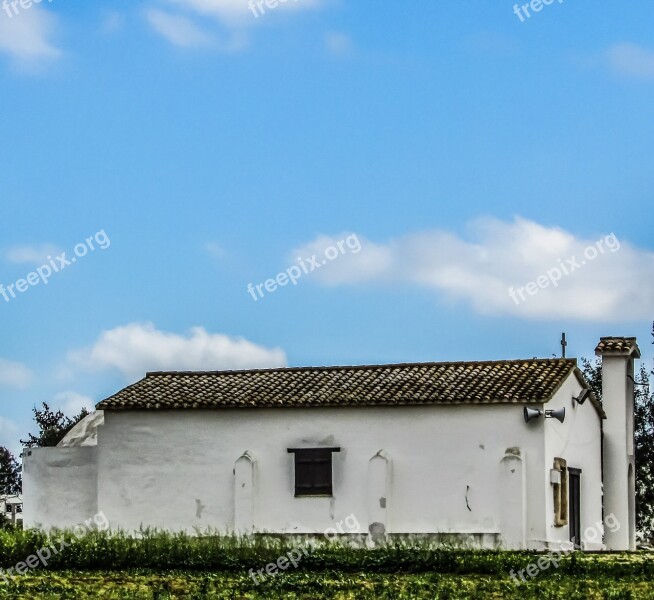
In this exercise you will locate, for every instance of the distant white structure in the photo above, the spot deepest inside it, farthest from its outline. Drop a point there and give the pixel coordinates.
(11, 506)
(440, 450)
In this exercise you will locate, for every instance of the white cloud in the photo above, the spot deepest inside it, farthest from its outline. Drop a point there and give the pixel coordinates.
(9, 436)
(372, 262)
(112, 22)
(616, 285)
(26, 37)
(139, 347)
(631, 60)
(338, 44)
(228, 11)
(236, 13)
(178, 30)
(36, 255)
(14, 374)
(7, 428)
(233, 17)
(71, 402)
(214, 250)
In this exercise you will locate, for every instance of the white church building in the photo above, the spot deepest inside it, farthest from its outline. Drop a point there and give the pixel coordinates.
(510, 453)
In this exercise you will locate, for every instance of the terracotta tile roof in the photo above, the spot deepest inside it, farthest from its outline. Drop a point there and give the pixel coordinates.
(618, 345)
(518, 381)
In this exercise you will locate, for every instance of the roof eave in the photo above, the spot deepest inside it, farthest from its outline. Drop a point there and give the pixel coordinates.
(593, 398)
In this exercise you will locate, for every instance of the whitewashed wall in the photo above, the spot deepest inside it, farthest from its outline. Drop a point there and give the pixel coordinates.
(176, 469)
(619, 461)
(59, 486)
(578, 441)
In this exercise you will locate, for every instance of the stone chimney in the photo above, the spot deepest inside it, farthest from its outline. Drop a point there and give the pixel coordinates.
(618, 355)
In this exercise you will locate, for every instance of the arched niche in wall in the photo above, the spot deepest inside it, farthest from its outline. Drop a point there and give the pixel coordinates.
(513, 499)
(378, 495)
(244, 496)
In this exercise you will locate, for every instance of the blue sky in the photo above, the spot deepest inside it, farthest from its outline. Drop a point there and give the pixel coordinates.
(467, 151)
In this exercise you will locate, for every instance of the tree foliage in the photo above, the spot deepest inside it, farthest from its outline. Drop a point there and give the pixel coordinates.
(10, 473)
(643, 442)
(53, 426)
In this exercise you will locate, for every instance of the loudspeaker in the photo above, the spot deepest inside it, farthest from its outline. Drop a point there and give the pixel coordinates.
(531, 413)
(559, 414)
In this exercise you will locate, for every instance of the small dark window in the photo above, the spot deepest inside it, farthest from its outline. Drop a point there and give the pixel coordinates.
(313, 471)
(575, 506)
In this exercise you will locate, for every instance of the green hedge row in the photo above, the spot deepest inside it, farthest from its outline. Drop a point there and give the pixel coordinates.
(159, 550)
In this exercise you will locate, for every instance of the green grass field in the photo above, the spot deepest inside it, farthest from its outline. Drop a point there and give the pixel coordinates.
(318, 586)
(162, 565)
